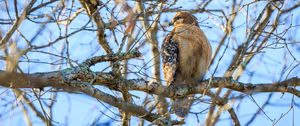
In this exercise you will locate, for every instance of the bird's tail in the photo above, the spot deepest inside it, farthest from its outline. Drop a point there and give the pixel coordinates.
(181, 106)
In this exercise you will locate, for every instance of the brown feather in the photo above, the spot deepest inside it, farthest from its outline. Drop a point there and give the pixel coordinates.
(195, 52)
(193, 57)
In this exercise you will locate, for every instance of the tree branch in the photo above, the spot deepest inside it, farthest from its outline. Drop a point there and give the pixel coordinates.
(112, 57)
(56, 78)
(18, 22)
(80, 79)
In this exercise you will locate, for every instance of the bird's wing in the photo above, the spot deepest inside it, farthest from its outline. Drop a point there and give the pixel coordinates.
(170, 58)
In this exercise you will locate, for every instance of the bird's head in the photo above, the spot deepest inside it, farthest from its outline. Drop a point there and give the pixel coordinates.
(184, 18)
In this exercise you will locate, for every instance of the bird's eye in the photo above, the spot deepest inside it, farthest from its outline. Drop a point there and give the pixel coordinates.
(176, 18)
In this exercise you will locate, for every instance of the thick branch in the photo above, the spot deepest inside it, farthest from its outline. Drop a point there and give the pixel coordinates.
(76, 79)
(79, 78)
(284, 86)
(112, 57)
(39, 80)
(183, 90)
(55, 79)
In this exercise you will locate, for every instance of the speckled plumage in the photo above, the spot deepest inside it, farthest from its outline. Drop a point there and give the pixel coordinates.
(186, 55)
(170, 56)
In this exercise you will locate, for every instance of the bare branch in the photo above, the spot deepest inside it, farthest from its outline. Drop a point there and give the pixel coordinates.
(112, 57)
(17, 23)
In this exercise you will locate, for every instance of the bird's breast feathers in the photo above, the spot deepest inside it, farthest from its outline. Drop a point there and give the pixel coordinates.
(194, 52)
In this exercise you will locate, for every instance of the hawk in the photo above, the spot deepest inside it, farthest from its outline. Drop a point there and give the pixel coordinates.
(186, 55)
